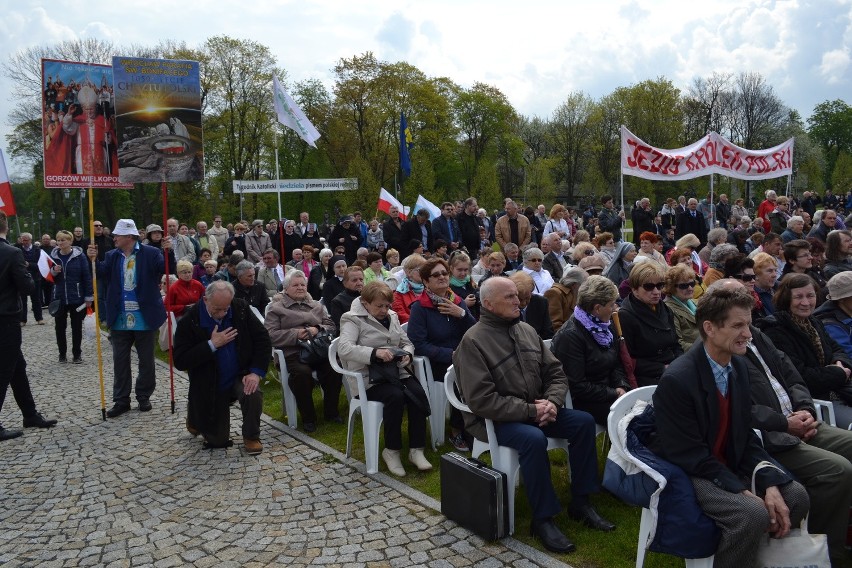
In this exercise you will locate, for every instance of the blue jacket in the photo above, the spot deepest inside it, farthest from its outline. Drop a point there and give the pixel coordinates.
(150, 267)
(73, 285)
(682, 528)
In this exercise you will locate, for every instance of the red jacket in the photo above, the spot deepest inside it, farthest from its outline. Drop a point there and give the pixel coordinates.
(182, 294)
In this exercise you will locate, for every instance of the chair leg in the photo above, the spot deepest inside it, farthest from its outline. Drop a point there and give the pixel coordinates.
(372, 422)
(352, 412)
(290, 407)
(700, 562)
(438, 420)
(644, 533)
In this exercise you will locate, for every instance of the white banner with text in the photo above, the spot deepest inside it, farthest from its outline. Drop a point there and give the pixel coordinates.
(289, 185)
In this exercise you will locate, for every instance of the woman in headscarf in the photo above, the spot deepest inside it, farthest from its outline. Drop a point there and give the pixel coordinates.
(333, 279)
(619, 269)
(318, 274)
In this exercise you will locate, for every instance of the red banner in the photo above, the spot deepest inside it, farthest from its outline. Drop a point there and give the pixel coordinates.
(712, 154)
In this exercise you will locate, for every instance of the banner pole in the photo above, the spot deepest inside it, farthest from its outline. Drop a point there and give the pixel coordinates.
(277, 174)
(712, 208)
(168, 318)
(97, 311)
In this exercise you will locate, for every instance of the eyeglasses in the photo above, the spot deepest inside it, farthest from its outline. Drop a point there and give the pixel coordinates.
(536, 260)
(96, 226)
(649, 286)
(744, 277)
(684, 285)
(439, 274)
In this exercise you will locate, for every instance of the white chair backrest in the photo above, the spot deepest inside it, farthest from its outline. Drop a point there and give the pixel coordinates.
(257, 313)
(404, 327)
(621, 407)
(449, 388)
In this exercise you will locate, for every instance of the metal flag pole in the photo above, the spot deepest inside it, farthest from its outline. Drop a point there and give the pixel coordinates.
(168, 319)
(712, 209)
(277, 174)
(97, 311)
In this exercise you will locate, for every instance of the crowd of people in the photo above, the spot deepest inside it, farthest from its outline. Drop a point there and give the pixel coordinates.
(756, 303)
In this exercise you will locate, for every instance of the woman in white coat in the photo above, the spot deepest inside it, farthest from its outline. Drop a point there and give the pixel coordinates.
(370, 332)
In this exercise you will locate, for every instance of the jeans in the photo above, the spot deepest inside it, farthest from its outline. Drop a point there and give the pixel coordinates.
(145, 380)
(531, 443)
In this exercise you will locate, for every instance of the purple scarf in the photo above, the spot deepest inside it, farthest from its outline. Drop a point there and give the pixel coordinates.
(599, 330)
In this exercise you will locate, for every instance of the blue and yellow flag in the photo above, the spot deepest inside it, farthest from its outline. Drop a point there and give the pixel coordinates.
(405, 144)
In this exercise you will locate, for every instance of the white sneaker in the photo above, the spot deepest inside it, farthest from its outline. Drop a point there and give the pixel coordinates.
(393, 462)
(416, 457)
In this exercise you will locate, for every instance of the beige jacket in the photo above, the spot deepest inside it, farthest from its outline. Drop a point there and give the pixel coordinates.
(286, 317)
(361, 334)
(503, 233)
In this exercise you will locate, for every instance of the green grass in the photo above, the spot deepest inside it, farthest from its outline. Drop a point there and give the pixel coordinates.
(594, 549)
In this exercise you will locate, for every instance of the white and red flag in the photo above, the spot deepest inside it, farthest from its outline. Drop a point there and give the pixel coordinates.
(7, 200)
(386, 201)
(45, 263)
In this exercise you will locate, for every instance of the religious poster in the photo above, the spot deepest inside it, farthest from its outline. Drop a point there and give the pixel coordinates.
(78, 126)
(158, 119)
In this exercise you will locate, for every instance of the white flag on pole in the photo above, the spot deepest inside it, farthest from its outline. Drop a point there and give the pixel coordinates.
(291, 116)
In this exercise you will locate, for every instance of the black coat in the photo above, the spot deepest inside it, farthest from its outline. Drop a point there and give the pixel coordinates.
(469, 226)
(291, 243)
(351, 241)
(537, 314)
(15, 280)
(686, 224)
(642, 221)
(787, 337)
(594, 371)
(193, 354)
(651, 338)
(393, 235)
(255, 295)
(411, 232)
(686, 410)
(766, 413)
(551, 264)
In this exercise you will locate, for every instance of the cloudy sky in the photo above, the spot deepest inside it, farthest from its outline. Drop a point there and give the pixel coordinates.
(536, 52)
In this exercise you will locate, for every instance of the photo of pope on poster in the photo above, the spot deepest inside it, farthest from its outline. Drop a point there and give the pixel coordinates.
(78, 129)
(158, 119)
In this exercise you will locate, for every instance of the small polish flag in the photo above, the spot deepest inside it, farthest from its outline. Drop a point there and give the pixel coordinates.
(386, 201)
(7, 200)
(45, 263)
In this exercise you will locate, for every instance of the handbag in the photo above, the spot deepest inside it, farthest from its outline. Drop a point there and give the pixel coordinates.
(314, 350)
(389, 373)
(799, 549)
(54, 307)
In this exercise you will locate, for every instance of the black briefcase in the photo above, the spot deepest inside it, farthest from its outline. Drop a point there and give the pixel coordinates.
(474, 495)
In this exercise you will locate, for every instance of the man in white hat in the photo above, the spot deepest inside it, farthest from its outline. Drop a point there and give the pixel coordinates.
(134, 309)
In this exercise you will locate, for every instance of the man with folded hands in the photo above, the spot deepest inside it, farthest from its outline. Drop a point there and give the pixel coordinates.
(506, 373)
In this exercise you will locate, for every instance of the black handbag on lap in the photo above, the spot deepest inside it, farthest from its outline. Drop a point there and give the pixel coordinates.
(314, 350)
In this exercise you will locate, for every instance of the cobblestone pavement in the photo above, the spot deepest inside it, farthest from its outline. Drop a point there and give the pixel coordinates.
(138, 490)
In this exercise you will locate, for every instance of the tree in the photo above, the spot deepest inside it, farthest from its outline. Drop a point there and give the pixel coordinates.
(707, 105)
(831, 127)
(570, 133)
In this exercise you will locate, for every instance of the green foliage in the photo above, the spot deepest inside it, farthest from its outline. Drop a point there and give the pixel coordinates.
(841, 177)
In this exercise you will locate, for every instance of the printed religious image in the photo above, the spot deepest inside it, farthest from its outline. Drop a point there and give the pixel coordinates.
(78, 125)
(158, 120)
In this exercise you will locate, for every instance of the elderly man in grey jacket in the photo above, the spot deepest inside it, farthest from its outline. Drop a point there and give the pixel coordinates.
(506, 373)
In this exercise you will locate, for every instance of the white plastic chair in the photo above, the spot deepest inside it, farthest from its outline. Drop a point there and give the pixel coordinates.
(287, 396)
(503, 458)
(371, 411)
(825, 411)
(619, 409)
(437, 399)
(257, 313)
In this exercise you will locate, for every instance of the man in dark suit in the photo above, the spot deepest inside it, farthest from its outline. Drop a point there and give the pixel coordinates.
(417, 229)
(392, 230)
(469, 224)
(15, 281)
(691, 221)
(643, 219)
(534, 308)
(446, 227)
(702, 409)
(32, 254)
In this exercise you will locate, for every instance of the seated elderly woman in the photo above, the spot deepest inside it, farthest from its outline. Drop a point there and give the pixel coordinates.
(718, 256)
(439, 319)
(823, 364)
(562, 296)
(581, 251)
(246, 286)
(588, 351)
(185, 291)
(369, 334)
(765, 276)
(542, 280)
(409, 288)
(648, 324)
(534, 309)
(606, 245)
(293, 316)
(680, 285)
(648, 248)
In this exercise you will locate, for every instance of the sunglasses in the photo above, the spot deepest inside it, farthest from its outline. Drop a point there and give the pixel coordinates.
(649, 286)
(98, 226)
(685, 285)
(745, 277)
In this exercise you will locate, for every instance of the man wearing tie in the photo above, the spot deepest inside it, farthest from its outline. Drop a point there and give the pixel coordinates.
(271, 275)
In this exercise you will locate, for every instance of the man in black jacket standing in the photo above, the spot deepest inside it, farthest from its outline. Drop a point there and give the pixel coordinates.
(691, 221)
(15, 281)
(32, 254)
(469, 225)
(610, 220)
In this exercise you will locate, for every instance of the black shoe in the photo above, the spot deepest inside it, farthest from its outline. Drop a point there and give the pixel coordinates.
(591, 518)
(38, 421)
(117, 410)
(78, 360)
(551, 537)
(6, 434)
(309, 427)
(63, 359)
(336, 420)
(145, 406)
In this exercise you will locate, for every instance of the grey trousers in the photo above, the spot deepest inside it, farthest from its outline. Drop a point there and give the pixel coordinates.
(146, 380)
(823, 467)
(743, 520)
